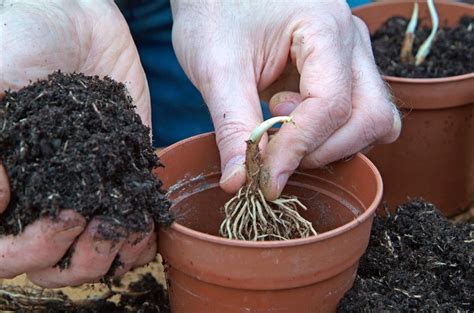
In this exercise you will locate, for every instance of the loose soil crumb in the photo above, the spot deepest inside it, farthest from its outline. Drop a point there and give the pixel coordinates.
(416, 260)
(452, 52)
(75, 142)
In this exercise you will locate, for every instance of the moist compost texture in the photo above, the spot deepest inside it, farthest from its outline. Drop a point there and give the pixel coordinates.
(417, 260)
(74, 142)
(451, 54)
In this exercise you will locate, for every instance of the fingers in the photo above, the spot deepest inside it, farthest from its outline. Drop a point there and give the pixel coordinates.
(4, 189)
(41, 245)
(149, 254)
(323, 58)
(374, 118)
(235, 110)
(136, 250)
(90, 261)
(139, 249)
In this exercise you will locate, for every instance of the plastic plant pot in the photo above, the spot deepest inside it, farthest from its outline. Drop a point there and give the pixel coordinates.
(207, 273)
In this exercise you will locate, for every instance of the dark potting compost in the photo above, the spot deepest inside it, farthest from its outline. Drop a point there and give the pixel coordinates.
(451, 54)
(417, 260)
(75, 142)
(145, 295)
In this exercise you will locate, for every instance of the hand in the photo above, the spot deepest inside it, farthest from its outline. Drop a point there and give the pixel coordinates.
(39, 37)
(232, 50)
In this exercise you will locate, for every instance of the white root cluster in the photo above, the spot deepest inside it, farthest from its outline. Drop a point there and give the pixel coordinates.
(249, 216)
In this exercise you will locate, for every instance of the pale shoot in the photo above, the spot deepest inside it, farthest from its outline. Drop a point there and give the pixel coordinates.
(261, 129)
(406, 54)
(424, 49)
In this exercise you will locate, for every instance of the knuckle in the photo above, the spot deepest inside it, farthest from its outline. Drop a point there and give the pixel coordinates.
(341, 14)
(230, 131)
(370, 131)
(362, 28)
(344, 15)
(211, 76)
(380, 123)
(312, 160)
(328, 28)
(339, 111)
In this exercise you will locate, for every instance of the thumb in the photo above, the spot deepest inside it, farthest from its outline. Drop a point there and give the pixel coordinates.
(4, 189)
(235, 110)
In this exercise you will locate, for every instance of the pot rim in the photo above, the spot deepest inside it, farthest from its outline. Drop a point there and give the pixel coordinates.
(438, 80)
(368, 213)
(407, 80)
(382, 3)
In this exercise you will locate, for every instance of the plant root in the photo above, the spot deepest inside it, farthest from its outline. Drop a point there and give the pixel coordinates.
(250, 217)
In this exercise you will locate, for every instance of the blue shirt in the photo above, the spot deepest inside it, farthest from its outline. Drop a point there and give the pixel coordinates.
(178, 110)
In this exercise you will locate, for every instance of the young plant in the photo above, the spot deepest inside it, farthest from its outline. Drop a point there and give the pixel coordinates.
(249, 216)
(406, 54)
(424, 49)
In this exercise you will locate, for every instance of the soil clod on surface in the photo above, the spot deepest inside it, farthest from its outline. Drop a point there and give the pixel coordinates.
(451, 54)
(75, 142)
(417, 260)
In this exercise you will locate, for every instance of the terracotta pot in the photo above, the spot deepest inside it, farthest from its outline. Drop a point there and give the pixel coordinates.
(207, 273)
(434, 156)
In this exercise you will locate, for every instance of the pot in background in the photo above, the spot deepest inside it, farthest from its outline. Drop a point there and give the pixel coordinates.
(434, 156)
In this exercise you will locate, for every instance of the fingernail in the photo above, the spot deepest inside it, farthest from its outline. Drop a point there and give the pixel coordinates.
(234, 167)
(136, 238)
(366, 150)
(284, 108)
(105, 247)
(68, 235)
(70, 220)
(397, 122)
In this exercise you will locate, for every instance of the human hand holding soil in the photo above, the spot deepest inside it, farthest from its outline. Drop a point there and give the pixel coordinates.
(231, 51)
(84, 36)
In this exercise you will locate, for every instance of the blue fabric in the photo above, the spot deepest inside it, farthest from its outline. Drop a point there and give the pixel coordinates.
(178, 110)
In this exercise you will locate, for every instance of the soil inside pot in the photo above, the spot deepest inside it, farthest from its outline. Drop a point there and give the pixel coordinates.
(451, 54)
(75, 142)
(417, 260)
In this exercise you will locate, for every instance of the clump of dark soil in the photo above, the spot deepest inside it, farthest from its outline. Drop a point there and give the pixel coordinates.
(451, 54)
(75, 142)
(417, 260)
(146, 295)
